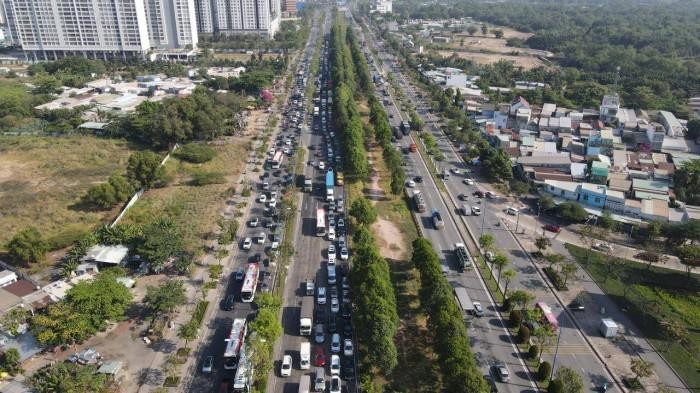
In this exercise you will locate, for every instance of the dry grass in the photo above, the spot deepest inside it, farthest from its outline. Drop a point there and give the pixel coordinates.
(43, 178)
(527, 62)
(193, 209)
(242, 56)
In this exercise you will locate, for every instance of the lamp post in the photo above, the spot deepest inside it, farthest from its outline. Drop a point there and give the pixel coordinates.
(556, 351)
(517, 221)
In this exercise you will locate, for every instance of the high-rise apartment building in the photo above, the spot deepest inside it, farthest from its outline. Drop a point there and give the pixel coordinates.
(49, 29)
(239, 16)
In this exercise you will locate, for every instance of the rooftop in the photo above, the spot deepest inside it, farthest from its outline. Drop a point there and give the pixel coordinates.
(107, 254)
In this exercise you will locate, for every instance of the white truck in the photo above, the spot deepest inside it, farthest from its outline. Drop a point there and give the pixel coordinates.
(305, 355)
(306, 317)
(315, 111)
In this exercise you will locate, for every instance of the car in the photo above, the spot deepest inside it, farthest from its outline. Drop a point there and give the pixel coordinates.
(490, 195)
(257, 258)
(349, 369)
(286, 367)
(462, 197)
(320, 357)
(321, 165)
(344, 254)
(478, 309)
(347, 347)
(476, 210)
(603, 246)
(262, 198)
(247, 243)
(345, 283)
(346, 296)
(335, 384)
(272, 203)
(576, 305)
(492, 384)
(341, 223)
(512, 211)
(468, 181)
(411, 183)
(208, 364)
(321, 295)
(418, 179)
(347, 329)
(319, 335)
(335, 365)
(266, 186)
(552, 228)
(320, 314)
(240, 273)
(335, 305)
(228, 303)
(320, 379)
(340, 203)
(456, 171)
(335, 343)
(254, 222)
(501, 372)
(346, 311)
(331, 252)
(332, 324)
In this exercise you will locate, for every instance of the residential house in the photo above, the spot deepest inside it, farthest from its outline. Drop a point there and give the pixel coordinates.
(7, 277)
(518, 103)
(615, 201)
(654, 210)
(561, 161)
(633, 208)
(108, 255)
(671, 124)
(599, 172)
(619, 182)
(562, 189)
(650, 189)
(592, 194)
(547, 110)
(609, 108)
(656, 134)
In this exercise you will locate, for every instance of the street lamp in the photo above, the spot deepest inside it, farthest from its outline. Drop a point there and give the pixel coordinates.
(556, 351)
(517, 221)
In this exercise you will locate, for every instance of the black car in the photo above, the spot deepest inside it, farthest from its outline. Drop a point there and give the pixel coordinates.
(229, 303)
(257, 258)
(332, 324)
(418, 179)
(346, 310)
(492, 384)
(349, 369)
(347, 329)
(462, 197)
(320, 314)
(576, 306)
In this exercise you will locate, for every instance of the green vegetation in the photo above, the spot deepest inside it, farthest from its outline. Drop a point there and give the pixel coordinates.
(164, 298)
(205, 178)
(264, 331)
(105, 195)
(68, 377)
(196, 153)
(459, 368)
(654, 298)
(363, 211)
(27, 246)
(161, 240)
(18, 104)
(85, 310)
(686, 182)
(572, 212)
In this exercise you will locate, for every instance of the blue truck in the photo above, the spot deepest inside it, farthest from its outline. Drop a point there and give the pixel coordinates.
(330, 182)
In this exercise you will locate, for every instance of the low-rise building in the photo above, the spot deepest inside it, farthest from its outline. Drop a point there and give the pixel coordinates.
(593, 194)
(563, 189)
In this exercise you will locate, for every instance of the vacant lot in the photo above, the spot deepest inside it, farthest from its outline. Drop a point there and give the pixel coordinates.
(242, 56)
(194, 209)
(490, 44)
(652, 296)
(43, 178)
(524, 61)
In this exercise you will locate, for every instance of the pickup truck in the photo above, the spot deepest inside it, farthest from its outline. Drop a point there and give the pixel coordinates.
(437, 220)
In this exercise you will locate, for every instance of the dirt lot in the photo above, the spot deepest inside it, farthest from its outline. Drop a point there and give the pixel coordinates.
(42, 179)
(242, 56)
(490, 44)
(526, 62)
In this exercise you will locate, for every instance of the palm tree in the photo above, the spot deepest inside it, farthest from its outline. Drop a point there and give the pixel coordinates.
(508, 275)
(500, 261)
(221, 253)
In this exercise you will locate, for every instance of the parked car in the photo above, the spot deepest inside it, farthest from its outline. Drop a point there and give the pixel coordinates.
(603, 246)
(286, 367)
(247, 243)
(501, 372)
(468, 181)
(208, 364)
(320, 356)
(319, 335)
(552, 228)
(335, 343)
(347, 347)
(335, 365)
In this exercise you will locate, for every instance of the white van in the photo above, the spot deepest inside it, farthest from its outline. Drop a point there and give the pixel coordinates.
(331, 274)
(261, 238)
(331, 233)
(305, 356)
(320, 379)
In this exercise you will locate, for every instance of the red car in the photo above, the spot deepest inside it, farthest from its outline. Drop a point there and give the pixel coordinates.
(479, 194)
(552, 228)
(320, 357)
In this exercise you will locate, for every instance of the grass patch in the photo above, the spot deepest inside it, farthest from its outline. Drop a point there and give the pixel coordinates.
(43, 178)
(652, 295)
(171, 382)
(555, 278)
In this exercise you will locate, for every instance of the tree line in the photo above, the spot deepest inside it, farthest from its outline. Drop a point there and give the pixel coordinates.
(459, 368)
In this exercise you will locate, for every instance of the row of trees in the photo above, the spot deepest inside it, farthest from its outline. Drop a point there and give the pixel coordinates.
(376, 318)
(459, 368)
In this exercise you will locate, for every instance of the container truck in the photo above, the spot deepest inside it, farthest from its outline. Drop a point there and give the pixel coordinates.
(330, 182)
(306, 316)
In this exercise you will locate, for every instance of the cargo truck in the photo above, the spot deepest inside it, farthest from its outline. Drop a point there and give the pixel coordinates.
(418, 201)
(330, 183)
(306, 316)
(463, 258)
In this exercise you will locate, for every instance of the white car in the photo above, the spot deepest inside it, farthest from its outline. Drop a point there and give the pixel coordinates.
(286, 368)
(254, 222)
(478, 309)
(468, 181)
(344, 255)
(512, 211)
(411, 183)
(208, 364)
(272, 203)
(335, 343)
(335, 365)
(335, 305)
(321, 165)
(321, 295)
(476, 210)
(347, 347)
(262, 198)
(331, 252)
(603, 246)
(247, 243)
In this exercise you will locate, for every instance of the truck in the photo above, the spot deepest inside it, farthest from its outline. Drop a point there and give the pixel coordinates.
(438, 223)
(315, 111)
(465, 302)
(306, 316)
(463, 258)
(330, 182)
(418, 201)
(397, 133)
(308, 185)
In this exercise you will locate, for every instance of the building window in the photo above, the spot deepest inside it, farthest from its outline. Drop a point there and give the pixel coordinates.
(585, 197)
(597, 200)
(561, 193)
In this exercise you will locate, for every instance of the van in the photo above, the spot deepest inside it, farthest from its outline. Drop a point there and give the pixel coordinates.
(320, 379)
(331, 234)
(305, 356)
(331, 275)
(309, 288)
(304, 384)
(260, 239)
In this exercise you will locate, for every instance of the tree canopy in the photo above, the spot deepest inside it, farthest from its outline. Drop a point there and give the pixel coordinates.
(27, 246)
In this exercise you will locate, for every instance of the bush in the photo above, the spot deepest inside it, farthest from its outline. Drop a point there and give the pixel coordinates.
(533, 352)
(206, 178)
(195, 153)
(555, 386)
(556, 278)
(544, 371)
(516, 318)
(523, 334)
(572, 211)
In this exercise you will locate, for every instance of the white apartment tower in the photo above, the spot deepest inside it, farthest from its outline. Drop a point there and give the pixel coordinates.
(239, 16)
(49, 29)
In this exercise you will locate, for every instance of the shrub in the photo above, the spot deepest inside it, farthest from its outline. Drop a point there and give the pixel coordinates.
(206, 178)
(533, 352)
(556, 386)
(196, 153)
(544, 371)
(516, 318)
(523, 334)
(556, 278)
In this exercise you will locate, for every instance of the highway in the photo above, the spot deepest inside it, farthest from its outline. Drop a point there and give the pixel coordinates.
(488, 344)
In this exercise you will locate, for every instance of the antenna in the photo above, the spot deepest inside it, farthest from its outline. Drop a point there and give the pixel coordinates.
(617, 78)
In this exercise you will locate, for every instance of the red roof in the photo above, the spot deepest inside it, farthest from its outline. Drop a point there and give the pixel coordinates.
(20, 288)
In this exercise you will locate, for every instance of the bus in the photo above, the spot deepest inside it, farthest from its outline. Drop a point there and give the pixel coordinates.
(320, 222)
(547, 316)
(234, 343)
(465, 302)
(277, 159)
(339, 179)
(241, 382)
(250, 282)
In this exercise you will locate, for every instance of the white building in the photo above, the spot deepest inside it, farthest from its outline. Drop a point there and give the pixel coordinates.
(239, 16)
(384, 6)
(50, 29)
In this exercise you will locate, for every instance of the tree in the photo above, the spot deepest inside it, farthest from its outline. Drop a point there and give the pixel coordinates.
(27, 246)
(68, 377)
(363, 211)
(534, 352)
(11, 362)
(508, 275)
(165, 298)
(689, 256)
(13, 319)
(160, 241)
(641, 368)
(520, 298)
(544, 371)
(519, 187)
(496, 164)
(267, 325)
(46, 84)
(555, 386)
(144, 168)
(545, 202)
(542, 243)
(60, 325)
(102, 195)
(497, 33)
(568, 270)
(99, 300)
(553, 259)
(606, 221)
(543, 336)
(500, 261)
(484, 29)
(472, 30)
(515, 318)
(693, 129)
(572, 211)
(188, 332)
(486, 241)
(570, 379)
(675, 331)
(221, 254)
(523, 334)
(686, 182)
